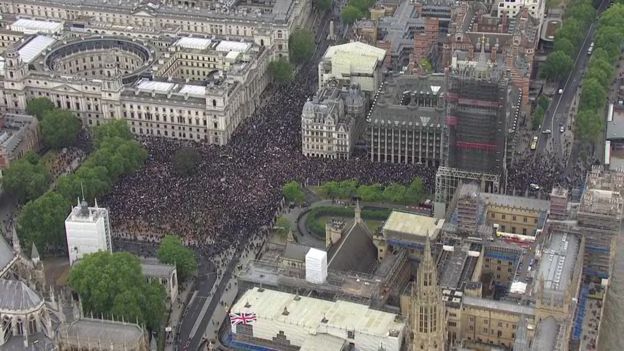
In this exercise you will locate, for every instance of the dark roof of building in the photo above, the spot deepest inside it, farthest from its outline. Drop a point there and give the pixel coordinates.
(295, 251)
(355, 251)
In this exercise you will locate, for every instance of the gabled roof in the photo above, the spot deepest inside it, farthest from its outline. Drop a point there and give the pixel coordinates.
(355, 251)
(17, 296)
(6, 254)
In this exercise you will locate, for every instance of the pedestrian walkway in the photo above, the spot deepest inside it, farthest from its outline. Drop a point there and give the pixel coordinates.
(177, 311)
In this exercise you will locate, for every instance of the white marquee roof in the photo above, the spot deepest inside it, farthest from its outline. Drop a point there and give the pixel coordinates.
(35, 47)
(193, 43)
(29, 26)
(159, 87)
(193, 90)
(227, 45)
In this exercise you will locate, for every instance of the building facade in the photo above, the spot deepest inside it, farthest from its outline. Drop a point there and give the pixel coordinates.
(88, 231)
(190, 88)
(332, 122)
(406, 122)
(19, 134)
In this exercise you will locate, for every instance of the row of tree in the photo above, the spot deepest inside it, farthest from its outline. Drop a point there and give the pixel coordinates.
(413, 193)
(577, 20)
(301, 46)
(41, 220)
(112, 284)
(600, 74)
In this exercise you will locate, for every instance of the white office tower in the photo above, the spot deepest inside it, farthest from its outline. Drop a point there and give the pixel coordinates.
(316, 266)
(88, 230)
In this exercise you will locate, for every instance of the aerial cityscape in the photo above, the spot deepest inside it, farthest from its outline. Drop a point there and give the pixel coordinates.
(313, 175)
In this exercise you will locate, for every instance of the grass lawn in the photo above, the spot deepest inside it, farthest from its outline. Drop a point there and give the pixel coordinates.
(49, 158)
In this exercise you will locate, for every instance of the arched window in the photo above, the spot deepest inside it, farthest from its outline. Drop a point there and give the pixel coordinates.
(214, 103)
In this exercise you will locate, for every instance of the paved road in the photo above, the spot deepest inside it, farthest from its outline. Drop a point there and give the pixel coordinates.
(559, 110)
(197, 314)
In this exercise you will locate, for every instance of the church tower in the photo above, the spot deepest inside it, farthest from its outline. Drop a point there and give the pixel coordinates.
(427, 315)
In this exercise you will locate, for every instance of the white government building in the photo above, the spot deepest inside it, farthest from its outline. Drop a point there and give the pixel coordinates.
(314, 324)
(88, 231)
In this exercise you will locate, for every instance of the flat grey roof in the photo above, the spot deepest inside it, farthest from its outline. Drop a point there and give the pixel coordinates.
(558, 259)
(106, 332)
(501, 306)
(615, 128)
(156, 269)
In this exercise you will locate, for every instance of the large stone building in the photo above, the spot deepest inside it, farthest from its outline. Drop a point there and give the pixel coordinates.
(406, 123)
(332, 122)
(352, 63)
(19, 134)
(183, 88)
(267, 23)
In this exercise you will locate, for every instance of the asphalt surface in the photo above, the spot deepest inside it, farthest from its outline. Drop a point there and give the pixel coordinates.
(558, 112)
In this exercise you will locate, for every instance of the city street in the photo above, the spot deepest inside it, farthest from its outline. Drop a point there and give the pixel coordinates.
(558, 112)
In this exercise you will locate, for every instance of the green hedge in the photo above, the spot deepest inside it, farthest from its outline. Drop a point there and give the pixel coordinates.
(314, 225)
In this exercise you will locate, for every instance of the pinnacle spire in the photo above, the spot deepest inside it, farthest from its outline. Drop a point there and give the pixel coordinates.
(16, 243)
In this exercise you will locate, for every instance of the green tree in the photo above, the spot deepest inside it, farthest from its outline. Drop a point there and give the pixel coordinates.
(593, 95)
(323, 5)
(572, 30)
(90, 181)
(589, 125)
(538, 117)
(425, 65)
(172, 251)
(26, 180)
(281, 71)
(330, 189)
(59, 128)
(185, 161)
(347, 188)
(42, 222)
(39, 106)
(362, 5)
(114, 129)
(415, 192)
(301, 45)
(557, 65)
(282, 226)
(370, 193)
(119, 156)
(293, 192)
(394, 192)
(350, 14)
(113, 283)
(543, 102)
(565, 45)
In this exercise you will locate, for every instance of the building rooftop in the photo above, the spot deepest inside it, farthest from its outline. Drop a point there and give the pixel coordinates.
(558, 259)
(17, 296)
(357, 56)
(615, 123)
(103, 331)
(501, 306)
(355, 251)
(294, 251)
(604, 202)
(83, 213)
(322, 342)
(412, 224)
(547, 333)
(34, 47)
(228, 46)
(29, 26)
(193, 43)
(515, 201)
(153, 268)
(312, 314)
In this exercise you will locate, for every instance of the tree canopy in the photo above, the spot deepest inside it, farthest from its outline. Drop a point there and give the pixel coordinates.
(293, 192)
(42, 222)
(301, 45)
(59, 128)
(394, 192)
(39, 106)
(185, 161)
(26, 179)
(350, 14)
(113, 129)
(172, 251)
(323, 5)
(113, 284)
(558, 64)
(281, 71)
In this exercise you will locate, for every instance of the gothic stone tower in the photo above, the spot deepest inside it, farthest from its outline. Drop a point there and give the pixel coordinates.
(427, 315)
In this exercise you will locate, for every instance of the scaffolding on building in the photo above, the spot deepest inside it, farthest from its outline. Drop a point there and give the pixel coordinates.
(448, 180)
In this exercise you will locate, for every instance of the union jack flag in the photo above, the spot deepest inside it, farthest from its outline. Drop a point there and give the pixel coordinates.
(242, 318)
